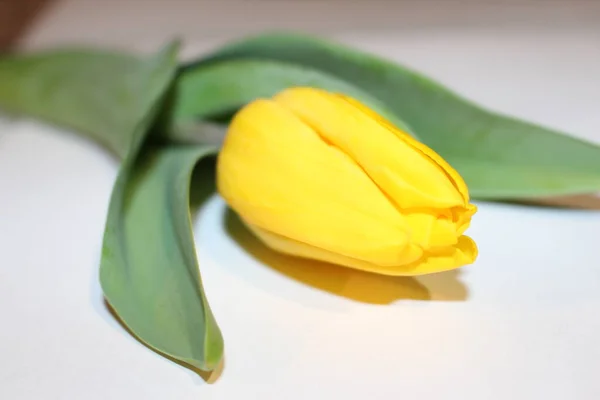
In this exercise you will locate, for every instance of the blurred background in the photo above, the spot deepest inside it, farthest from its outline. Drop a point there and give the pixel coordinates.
(146, 23)
(15, 17)
(476, 47)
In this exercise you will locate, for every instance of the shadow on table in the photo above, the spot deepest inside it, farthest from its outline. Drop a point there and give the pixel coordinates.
(346, 282)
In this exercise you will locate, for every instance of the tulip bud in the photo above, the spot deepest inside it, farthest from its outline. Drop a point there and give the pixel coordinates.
(318, 175)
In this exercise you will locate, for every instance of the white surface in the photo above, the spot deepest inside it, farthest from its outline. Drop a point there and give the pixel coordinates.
(522, 323)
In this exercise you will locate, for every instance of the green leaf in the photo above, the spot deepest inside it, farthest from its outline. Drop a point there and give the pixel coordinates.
(149, 272)
(500, 157)
(221, 88)
(97, 93)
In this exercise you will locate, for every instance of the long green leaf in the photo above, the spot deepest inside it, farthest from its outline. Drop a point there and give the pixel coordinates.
(221, 88)
(500, 157)
(149, 271)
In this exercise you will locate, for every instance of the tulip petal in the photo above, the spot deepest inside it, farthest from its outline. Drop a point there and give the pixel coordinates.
(279, 174)
(453, 175)
(444, 259)
(430, 230)
(410, 175)
(299, 249)
(464, 218)
(465, 252)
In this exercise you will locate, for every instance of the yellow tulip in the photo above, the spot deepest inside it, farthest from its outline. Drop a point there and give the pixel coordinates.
(318, 175)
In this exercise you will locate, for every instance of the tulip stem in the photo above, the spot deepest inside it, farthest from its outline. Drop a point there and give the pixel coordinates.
(197, 132)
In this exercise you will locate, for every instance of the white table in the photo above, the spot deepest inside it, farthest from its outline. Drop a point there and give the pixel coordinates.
(522, 323)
